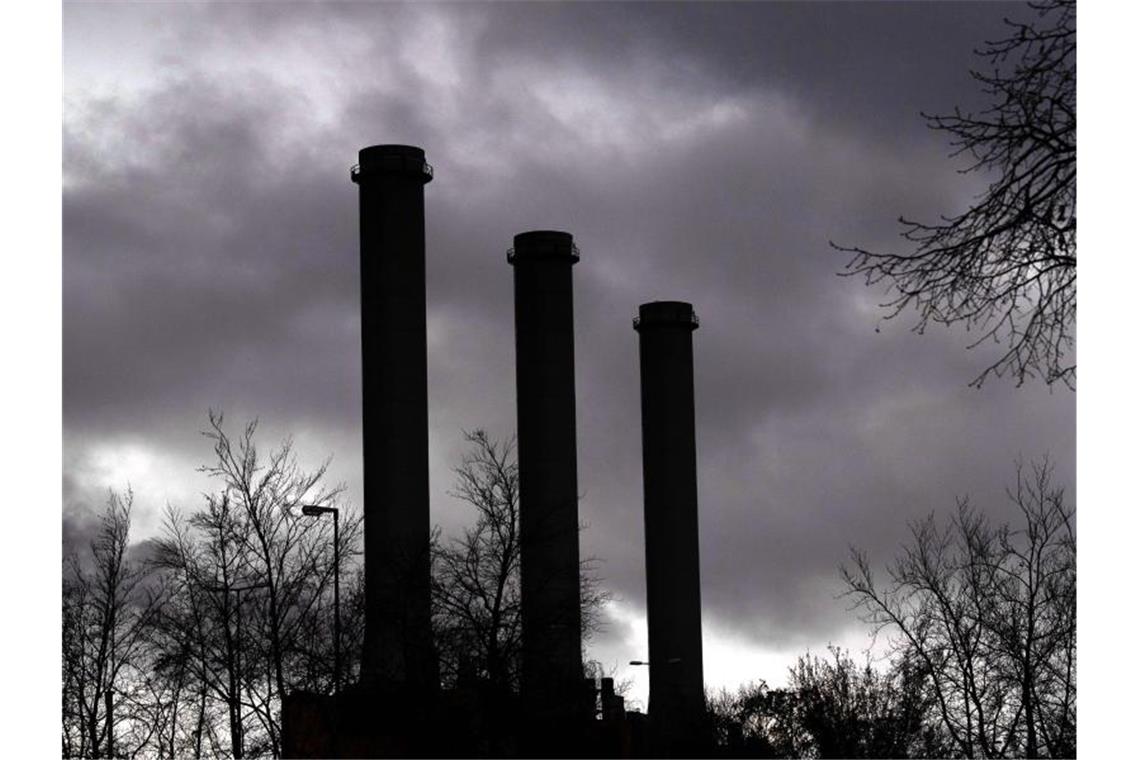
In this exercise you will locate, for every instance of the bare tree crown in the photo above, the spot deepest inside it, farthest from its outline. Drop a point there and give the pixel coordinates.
(1007, 266)
(988, 614)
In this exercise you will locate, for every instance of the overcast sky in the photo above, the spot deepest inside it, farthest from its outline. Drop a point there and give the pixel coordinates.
(705, 153)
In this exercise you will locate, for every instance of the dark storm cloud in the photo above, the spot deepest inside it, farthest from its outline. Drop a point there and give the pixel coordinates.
(873, 65)
(206, 260)
(699, 153)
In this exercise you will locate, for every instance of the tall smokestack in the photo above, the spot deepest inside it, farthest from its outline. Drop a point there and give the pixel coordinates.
(672, 553)
(397, 638)
(548, 470)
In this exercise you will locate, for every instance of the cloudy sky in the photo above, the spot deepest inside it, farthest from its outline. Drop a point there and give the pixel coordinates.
(705, 153)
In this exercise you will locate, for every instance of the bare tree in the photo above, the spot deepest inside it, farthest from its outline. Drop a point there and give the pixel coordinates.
(196, 633)
(186, 652)
(180, 678)
(988, 615)
(476, 576)
(845, 709)
(831, 707)
(248, 613)
(107, 608)
(1007, 266)
(287, 554)
(75, 736)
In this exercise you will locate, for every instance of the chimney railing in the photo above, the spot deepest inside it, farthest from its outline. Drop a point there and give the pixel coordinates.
(574, 252)
(694, 320)
(428, 170)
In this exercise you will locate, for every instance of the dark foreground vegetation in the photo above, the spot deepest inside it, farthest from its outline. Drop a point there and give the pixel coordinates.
(980, 621)
(183, 645)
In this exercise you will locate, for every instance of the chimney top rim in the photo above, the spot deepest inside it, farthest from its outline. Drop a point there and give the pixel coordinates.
(407, 160)
(541, 234)
(393, 149)
(666, 314)
(543, 244)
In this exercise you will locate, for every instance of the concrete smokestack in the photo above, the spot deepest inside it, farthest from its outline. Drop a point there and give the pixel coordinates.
(397, 639)
(672, 553)
(548, 471)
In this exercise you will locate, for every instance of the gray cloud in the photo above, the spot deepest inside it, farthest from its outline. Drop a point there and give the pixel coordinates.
(698, 153)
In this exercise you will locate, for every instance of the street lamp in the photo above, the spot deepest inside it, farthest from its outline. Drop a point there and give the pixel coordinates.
(313, 510)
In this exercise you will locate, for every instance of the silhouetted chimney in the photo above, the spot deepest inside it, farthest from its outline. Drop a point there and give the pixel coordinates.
(672, 554)
(548, 470)
(397, 640)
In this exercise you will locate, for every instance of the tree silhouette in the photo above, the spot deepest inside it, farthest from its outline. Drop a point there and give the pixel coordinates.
(1007, 266)
(248, 609)
(287, 554)
(831, 707)
(190, 652)
(988, 615)
(183, 647)
(475, 577)
(107, 609)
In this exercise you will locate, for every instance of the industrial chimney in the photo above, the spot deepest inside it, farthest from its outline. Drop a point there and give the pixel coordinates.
(551, 679)
(397, 640)
(672, 554)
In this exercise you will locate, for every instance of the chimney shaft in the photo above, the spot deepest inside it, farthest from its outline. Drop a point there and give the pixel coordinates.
(672, 549)
(397, 639)
(548, 470)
